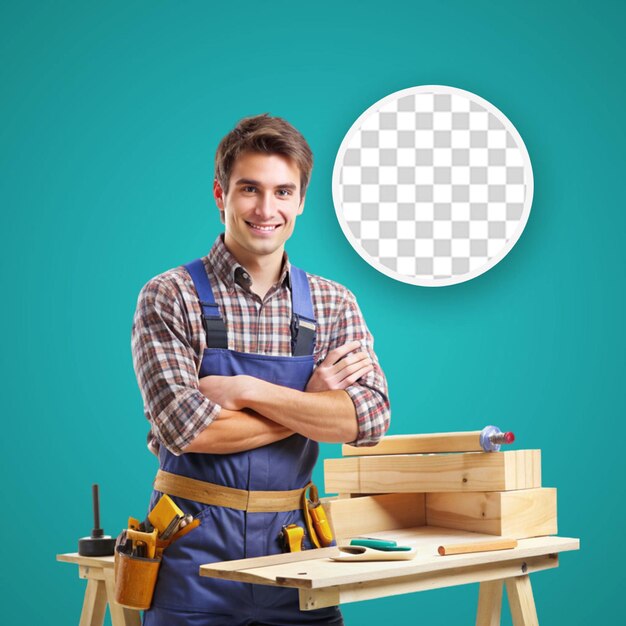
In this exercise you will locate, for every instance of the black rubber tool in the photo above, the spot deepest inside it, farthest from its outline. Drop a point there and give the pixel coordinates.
(98, 544)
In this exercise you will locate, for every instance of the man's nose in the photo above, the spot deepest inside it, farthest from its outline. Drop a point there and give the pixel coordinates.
(265, 205)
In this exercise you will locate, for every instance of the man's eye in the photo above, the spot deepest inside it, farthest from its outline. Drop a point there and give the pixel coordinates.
(249, 189)
(284, 192)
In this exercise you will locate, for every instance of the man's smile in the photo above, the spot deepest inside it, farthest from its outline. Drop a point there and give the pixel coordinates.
(263, 227)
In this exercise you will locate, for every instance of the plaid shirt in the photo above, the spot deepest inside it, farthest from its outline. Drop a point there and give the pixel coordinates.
(168, 341)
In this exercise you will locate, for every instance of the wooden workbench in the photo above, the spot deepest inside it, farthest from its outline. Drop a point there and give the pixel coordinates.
(323, 582)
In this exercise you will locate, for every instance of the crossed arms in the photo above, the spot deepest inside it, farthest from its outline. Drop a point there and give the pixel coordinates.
(255, 413)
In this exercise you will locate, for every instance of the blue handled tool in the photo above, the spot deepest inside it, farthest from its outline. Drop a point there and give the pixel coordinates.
(379, 544)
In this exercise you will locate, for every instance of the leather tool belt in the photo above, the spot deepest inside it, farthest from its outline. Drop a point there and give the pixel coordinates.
(218, 495)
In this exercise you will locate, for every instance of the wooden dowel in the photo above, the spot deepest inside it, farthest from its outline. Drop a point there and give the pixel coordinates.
(481, 546)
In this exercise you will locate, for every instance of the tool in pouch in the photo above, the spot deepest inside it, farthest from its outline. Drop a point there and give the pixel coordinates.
(317, 524)
(291, 538)
(139, 548)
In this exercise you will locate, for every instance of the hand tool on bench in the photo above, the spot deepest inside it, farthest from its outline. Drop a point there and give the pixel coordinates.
(379, 544)
(477, 546)
(489, 439)
(363, 553)
(98, 544)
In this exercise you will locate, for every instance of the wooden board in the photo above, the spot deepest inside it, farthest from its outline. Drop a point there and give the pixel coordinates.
(403, 473)
(415, 444)
(318, 573)
(357, 516)
(519, 514)
(89, 561)
(311, 599)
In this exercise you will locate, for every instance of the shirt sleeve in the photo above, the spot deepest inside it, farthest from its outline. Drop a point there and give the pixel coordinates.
(166, 366)
(369, 394)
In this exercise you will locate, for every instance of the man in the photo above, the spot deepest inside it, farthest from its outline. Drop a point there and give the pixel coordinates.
(245, 363)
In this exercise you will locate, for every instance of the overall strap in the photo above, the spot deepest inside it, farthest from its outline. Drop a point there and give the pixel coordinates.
(211, 319)
(303, 323)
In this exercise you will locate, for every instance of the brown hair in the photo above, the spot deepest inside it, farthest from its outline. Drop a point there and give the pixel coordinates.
(270, 135)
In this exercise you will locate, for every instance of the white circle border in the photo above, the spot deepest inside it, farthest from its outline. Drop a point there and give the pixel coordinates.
(528, 199)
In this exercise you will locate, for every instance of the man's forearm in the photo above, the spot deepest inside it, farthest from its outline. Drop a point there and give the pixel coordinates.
(237, 431)
(327, 416)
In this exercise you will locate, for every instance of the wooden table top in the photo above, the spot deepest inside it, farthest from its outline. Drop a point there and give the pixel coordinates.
(314, 569)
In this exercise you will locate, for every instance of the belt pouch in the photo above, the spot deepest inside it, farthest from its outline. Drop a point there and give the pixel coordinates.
(135, 578)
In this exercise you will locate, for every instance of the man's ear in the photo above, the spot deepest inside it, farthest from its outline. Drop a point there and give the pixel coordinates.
(218, 194)
(301, 207)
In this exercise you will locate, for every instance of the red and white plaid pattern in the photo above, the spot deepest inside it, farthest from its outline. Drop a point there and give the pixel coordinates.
(168, 340)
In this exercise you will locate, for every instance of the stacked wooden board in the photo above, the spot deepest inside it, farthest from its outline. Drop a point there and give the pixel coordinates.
(439, 480)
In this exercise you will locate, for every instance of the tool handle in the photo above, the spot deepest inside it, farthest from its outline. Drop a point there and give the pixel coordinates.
(97, 531)
(321, 525)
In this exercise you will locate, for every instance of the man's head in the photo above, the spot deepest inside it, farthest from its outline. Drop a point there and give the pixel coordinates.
(265, 135)
(262, 169)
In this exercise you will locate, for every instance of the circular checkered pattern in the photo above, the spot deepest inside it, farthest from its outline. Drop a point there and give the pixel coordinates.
(432, 185)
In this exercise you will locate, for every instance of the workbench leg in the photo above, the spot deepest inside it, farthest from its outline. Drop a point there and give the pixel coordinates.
(120, 616)
(521, 601)
(94, 604)
(489, 603)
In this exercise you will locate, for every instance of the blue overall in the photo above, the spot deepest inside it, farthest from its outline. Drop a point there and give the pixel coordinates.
(181, 595)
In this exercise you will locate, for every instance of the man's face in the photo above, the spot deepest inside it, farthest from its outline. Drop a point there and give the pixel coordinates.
(259, 212)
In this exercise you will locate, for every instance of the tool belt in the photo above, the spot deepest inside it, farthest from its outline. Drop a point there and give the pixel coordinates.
(218, 495)
(136, 574)
(315, 519)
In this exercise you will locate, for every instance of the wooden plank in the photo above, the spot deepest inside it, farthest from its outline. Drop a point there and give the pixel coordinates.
(477, 546)
(416, 444)
(323, 572)
(93, 561)
(360, 516)
(489, 603)
(223, 568)
(356, 592)
(524, 469)
(521, 601)
(94, 603)
(405, 473)
(521, 513)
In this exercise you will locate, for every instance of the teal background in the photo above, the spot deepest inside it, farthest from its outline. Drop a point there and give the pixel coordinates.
(111, 114)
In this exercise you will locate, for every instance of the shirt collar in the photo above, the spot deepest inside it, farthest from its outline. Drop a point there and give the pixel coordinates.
(229, 270)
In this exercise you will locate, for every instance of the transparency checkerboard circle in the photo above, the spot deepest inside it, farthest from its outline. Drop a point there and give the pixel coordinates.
(432, 185)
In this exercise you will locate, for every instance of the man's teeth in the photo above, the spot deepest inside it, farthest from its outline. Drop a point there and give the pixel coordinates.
(263, 227)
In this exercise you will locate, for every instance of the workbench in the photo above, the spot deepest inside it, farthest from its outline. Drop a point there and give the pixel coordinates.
(322, 582)
(423, 491)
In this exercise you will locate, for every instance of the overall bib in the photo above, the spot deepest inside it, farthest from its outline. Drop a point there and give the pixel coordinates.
(181, 595)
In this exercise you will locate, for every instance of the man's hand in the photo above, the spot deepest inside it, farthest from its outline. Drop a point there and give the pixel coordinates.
(337, 372)
(228, 391)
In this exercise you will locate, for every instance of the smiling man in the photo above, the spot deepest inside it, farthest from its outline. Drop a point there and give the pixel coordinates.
(245, 363)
